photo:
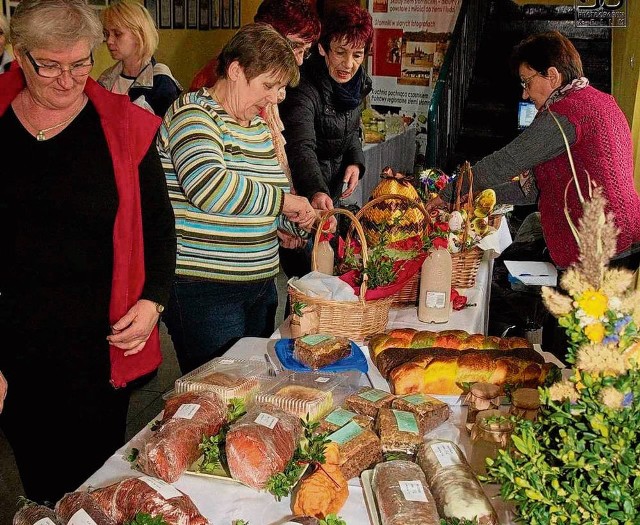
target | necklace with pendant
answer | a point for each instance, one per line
(40, 135)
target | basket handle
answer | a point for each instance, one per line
(468, 172)
(363, 243)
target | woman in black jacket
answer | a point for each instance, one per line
(321, 117)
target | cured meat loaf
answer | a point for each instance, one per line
(390, 358)
(81, 507)
(124, 499)
(35, 514)
(261, 443)
(454, 339)
(446, 374)
(402, 494)
(175, 446)
(455, 488)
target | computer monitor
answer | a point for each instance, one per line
(526, 113)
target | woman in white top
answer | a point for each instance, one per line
(132, 38)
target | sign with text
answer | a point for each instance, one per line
(601, 13)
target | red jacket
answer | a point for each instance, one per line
(604, 150)
(129, 131)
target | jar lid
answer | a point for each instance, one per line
(526, 398)
(485, 390)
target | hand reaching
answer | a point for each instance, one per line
(298, 209)
(351, 178)
(3, 391)
(131, 332)
(322, 201)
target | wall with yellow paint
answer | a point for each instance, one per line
(185, 51)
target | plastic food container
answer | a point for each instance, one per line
(228, 377)
(302, 394)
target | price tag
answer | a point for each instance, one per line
(322, 379)
(435, 299)
(163, 488)
(413, 490)
(226, 361)
(186, 411)
(44, 521)
(446, 453)
(81, 517)
(266, 420)
(340, 416)
(373, 395)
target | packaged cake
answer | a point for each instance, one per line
(398, 431)
(359, 449)
(318, 350)
(368, 401)
(228, 377)
(339, 417)
(429, 411)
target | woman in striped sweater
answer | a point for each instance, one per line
(230, 196)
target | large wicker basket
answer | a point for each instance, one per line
(408, 294)
(356, 320)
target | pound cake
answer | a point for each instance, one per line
(318, 350)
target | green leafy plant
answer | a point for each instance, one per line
(458, 521)
(579, 462)
(332, 519)
(297, 308)
(239, 522)
(310, 451)
(214, 460)
(142, 518)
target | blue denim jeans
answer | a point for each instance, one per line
(205, 319)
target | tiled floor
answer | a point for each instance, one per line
(145, 404)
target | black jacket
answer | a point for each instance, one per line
(321, 140)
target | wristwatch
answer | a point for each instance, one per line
(159, 308)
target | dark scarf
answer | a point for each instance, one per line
(348, 96)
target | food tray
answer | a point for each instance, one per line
(369, 498)
(234, 378)
(301, 394)
(354, 361)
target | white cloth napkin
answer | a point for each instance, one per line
(330, 287)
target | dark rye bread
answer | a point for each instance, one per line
(390, 358)
(319, 350)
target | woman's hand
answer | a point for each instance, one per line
(298, 209)
(290, 242)
(4, 386)
(131, 332)
(351, 178)
(322, 201)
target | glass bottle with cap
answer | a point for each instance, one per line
(491, 432)
(324, 254)
(481, 396)
(525, 403)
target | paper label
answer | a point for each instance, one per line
(446, 453)
(315, 339)
(340, 416)
(346, 433)
(406, 421)
(226, 361)
(186, 411)
(413, 490)
(45, 521)
(373, 395)
(416, 399)
(266, 420)
(163, 488)
(435, 299)
(81, 517)
(322, 379)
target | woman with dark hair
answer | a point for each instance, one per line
(322, 117)
(551, 76)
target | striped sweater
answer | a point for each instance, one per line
(227, 191)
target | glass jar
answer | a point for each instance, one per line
(490, 433)
(481, 396)
(525, 403)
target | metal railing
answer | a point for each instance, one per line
(444, 118)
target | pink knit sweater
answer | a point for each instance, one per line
(604, 150)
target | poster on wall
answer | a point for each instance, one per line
(165, 14)
(225, 13)
(192, 14)
(203, 20)
(152, 7)
(236, 14)
(215, 14)
(410, 40)
(178, 14)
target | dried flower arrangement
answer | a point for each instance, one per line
(579, 463)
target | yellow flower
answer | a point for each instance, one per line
(595, 332)
(593, 303)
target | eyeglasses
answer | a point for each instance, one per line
(526, 81)
(54, 71)
(300, 47)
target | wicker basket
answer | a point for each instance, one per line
(356, 320)
(466, 262)
(408, 295)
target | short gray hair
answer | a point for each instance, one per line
(52, 24)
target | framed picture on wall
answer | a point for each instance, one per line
(178, 14)
(152, 7)
(192, 14)
(204, 14)
(235, 17)
(165, 14)
(225, 13)
(214, 11)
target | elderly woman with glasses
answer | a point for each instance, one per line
(88, 250)
(551, 76)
